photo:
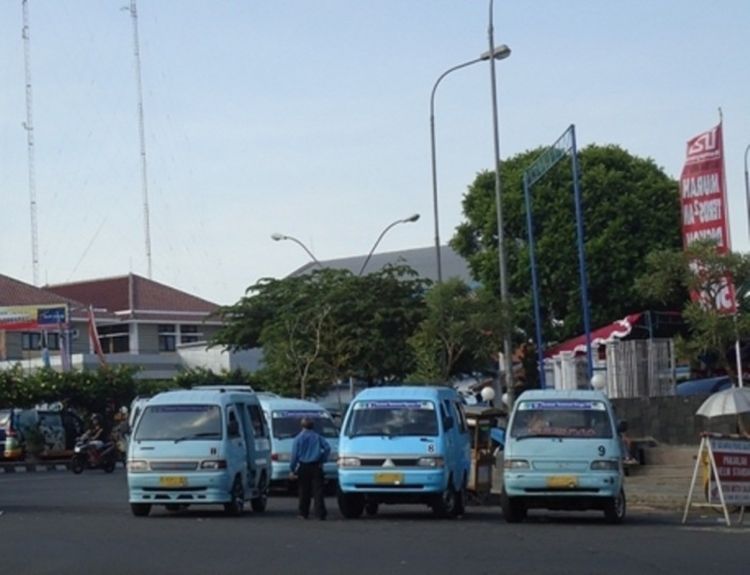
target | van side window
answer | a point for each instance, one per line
(232, 423)
(462, 426)
(257, 421)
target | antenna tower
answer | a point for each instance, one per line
(28, 125)
(141, 131)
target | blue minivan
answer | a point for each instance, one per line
(199, 447)
(404, 445)
(284, 416)
(563, 451)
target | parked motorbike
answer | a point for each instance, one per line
(87, 456)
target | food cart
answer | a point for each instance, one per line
(482, 420)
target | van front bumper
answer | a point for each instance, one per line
(530, 485)
(188, 488)
(280, 471)
(393, 481)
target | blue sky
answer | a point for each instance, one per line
(312, 119)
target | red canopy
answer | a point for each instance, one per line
(617, 330)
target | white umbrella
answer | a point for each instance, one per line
(732, 401)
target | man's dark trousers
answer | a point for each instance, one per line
(311, 485)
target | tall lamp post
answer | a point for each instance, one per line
(507, 345)
(410, 219)
(498, 53)
(747, 186)
(278, 237)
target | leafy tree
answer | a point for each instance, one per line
(701, 269)
(460, 334)
(319, 328)
(630, 206)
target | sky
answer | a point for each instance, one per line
(311, 119)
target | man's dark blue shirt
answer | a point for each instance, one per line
(308, 447)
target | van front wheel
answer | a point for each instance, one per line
(236, 504)
(351, 505)
(448, 503)
(614, 509)
(514, 511)
(140, 509)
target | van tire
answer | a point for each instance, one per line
(514, 510)
(447, 503)
(140, 509)
(371, 509)
(260, 503)
(351, 505)
(615, 508)
(236, 504)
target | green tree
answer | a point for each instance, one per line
(460, 334)
(319, 328)
(701, 269)
(630, 206)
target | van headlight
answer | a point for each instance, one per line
(430, 462)
(605, 465)
(137, 465)
(517, 464)
(349, 462)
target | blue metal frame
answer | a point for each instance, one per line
(546, 160)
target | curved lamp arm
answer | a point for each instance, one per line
(278, 237)
(410, 219)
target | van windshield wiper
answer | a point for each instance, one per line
(537, 436)
(197, 436)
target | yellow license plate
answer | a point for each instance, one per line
(173, 481)
(389, 478)
(562, 481)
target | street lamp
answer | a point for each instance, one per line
(410, 219)
(747, 186)
(499, 53)
(507, 345)
(278, 237)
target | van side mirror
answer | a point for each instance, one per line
(447, 423)
(233, 429)
(622, 426)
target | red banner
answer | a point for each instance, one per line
(704, 204)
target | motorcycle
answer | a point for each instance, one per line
(86, 455)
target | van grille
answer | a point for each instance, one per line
(174, 465)
(396, 461)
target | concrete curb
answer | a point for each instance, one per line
(29, 467)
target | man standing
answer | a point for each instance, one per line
(309, 452)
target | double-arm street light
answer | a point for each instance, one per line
(278, 237)
(410, 219)
(498, 53)
(504, 299)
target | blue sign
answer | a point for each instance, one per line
(51, 316)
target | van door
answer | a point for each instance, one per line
(261, 439)
(236, 443)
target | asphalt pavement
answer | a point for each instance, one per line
(56, 522)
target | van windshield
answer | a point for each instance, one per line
(561, 418)
(393, 418)
(287, 424)
(179, 423)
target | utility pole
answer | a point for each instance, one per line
(28, 125)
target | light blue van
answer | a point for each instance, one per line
(284, 417)
(562, 451)
(202, 447)
(404, 445)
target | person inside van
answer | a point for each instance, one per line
(309, 451)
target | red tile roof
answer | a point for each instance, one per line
(135, 295)
(15, 292)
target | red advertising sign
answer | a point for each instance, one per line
(704, 204)
(732, 458)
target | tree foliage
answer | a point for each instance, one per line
(461, 333)
(329, 325)
(630, 206)
(701, 269)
